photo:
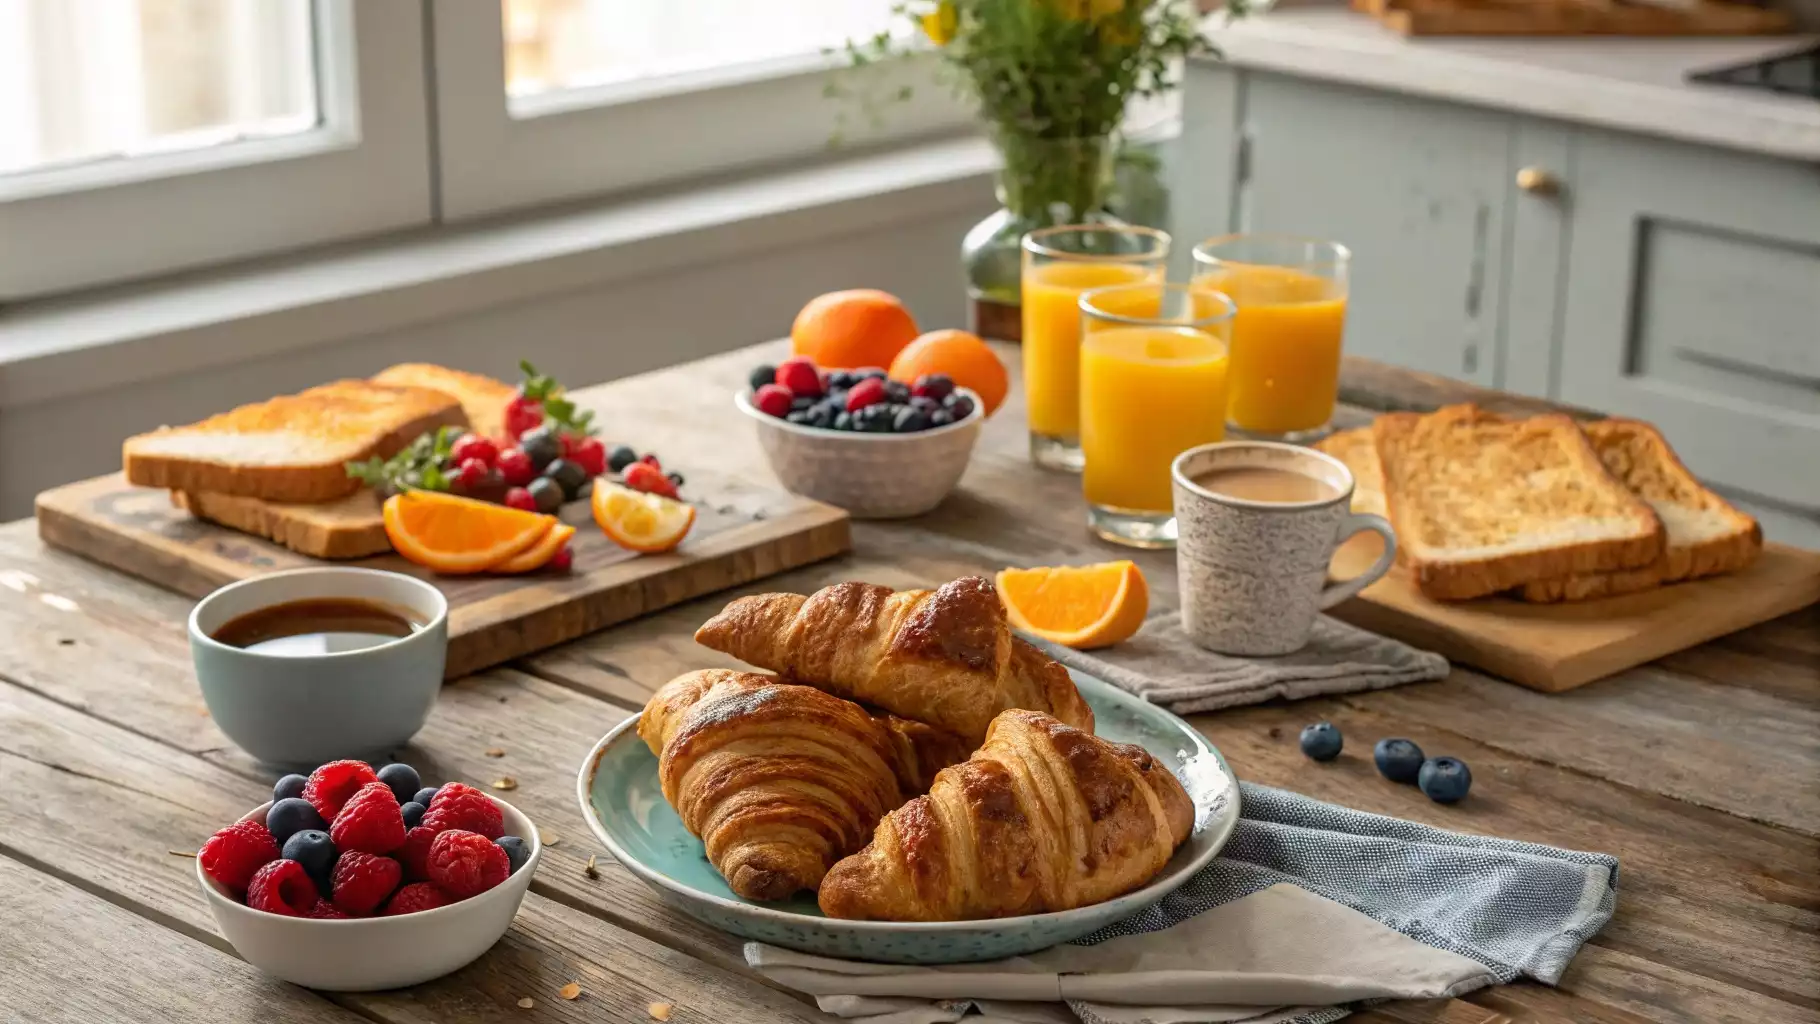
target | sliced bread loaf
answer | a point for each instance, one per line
(482, 398)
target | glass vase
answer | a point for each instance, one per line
(1044, 182)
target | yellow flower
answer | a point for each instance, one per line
(1095, 10)
(939, 24)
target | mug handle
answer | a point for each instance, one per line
(1356, 522)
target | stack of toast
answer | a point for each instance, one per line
(1543, 509)
(247, 467)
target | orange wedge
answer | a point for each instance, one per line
(459, 535)
(641, 521)
(1080, 606)
(534, 557)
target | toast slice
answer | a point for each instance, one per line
(1707, 535)
(291, 448)
(349, 527)
(1481, 504)
(482, 398)
(1360, 453)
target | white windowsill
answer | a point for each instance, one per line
(86, 343)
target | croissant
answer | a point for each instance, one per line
(781, 781)
(1044, 817)
(944, 656)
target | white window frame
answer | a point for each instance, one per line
(364, 169)
(572, 144)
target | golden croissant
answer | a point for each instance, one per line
(944, 656)
(1044, 817)
(781, 781)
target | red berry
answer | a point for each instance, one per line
(650, 459)
(331, 785)
(232, 855)
(283, 887)
(362, 882)
(471, 475)
(933, 385)
(642, 476)
(519, 498)
(324, 910)
(773, 400)
(370, 822)
(562, 560)
(415, 853)
(464, 864)
(515, 467)
(523, 413)
(473, 446)
(591, 455)
(798, 373)
(415, 897)
(464, 807)
(870, 391)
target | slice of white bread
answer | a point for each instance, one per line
(290, 448)
(482, 398)
(348, 527)
(1360, 453)
(1706, 534)
(1481, 504)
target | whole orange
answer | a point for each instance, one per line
(856, 328)
(966, 359)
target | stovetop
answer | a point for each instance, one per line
(1796, 74)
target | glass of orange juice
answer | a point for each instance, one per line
(1153, 381)
(1059, 264)
(1291, 293)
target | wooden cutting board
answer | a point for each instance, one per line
(1555, 647)
(741, 533)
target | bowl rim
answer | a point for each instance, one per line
(744, 404)
(1137, 899)
(218, 896)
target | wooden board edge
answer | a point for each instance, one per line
(1523, 668)
(194, 576)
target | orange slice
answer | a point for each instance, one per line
(641, 521)
(534, 557)
(1081, 606)
(457, 535)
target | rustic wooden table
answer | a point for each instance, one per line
(1700, 772)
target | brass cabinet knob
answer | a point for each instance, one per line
(1539, 182)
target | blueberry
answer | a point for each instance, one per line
(843, 420)
(401, 779)
(869, 373)
(935, 385)
(313, 849)
(289, 786)
(1445, 780)
(925, 403)
(800, 417)
(1398, 760)
(959, 406)
(941, 418)
(1322, 741)
(909, 420)
(676, 478)
(762, 374)
(291, 816)
(542, 445)
(802, 403)
(424, 795)
(877, 418)
(413, 813)
(547, 493)
(516, 850)
(841, 380)
(897, 392)
(620, 457)
(569, 476)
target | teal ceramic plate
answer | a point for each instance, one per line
(625, 806)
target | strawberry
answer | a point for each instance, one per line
(642, 476)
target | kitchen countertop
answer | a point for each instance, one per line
(1631, 84)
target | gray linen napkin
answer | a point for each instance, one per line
(1310, 908)
(1161, 665)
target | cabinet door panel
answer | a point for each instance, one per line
(1416, 189)
(1693, 301)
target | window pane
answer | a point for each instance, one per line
(86, 80)
(569, 44)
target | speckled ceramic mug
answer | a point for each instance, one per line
(1254, 573)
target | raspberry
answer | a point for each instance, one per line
(282, 887)
(464, 864)
(331, 785)
(370, 822)
(519, 498)
(232, 855)
(415, 897)
(562, 561)
(590, 454)
(773, 400)
(363, 881)
(799, 375)
(870, 391)
(466, 808)
(415, 853)
(324, 910)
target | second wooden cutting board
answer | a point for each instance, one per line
(1555, 647)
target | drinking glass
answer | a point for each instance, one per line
(1059, 264)
(1291, 294)
(1153, 377)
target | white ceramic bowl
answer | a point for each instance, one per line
(872, 476)
(369, 953)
